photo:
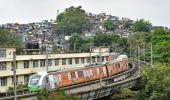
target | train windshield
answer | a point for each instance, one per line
(35, 80)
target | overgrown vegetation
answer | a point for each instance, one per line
(72, 20)
(55, 95)
(9, 39)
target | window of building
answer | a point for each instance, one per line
(2, 66)
(3, 81)
(56, 62)
(98, 58)
(107, 58)
(82, 60)
(35, 63)
(76, 60)
(88, 59)
(42, 63)
(64, 61)
(70, 61)
(102, 58)
(49, 62)
(2, 53)
(93, 59)
(80, 74)
(26, 79)
(26, 64)
(12, 65)
(16, 80)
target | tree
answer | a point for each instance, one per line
(109, 25)
(161, 39)
(8, 39)
(105, 39)
(142, 39)
(141, 26)
(56, 49)
(73, 20)
(55, 95)
(157, 82)
(75, 42)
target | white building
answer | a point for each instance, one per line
(30, 64)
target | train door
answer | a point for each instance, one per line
(73, 77)
(88, 74)
(109, 70)
(45, 82)
(51, 81)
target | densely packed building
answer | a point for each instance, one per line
(43, 33)
(39, 32)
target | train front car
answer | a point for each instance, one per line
(38, 81)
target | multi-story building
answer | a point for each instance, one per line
(27, 65)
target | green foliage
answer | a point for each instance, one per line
(76, 42)
(56, 49)
(161, 45)
(105, 40)
(73, 20)
(82, 44)
(109, 25)
(8, 39)
(141, 26)
(124, 94)
(139, 38)
(157, 82)
(55, 95)
(142, 39)
(18, 87)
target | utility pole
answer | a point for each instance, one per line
(109, 54)
(46, 60)
(90, 54)
(74, 47)
(139, 59)
(130, 50)
(14, 70)
(151, 55)
(100, 66)
(115, 54)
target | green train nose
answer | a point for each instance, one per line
(34, 88)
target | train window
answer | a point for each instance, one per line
(94, 71)
(100, 69)
(35, 79)
(80, 74)
(73, 75)
(64, 76)
(46, 79)
(118, 65)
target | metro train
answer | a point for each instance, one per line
(74, 76)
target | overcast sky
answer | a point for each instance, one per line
(25, 11)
